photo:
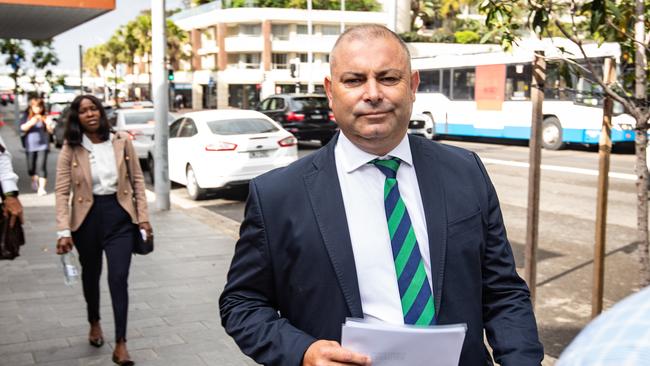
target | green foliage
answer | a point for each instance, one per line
(15, 52)
(467, 36)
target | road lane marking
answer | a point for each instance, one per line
(558, 168)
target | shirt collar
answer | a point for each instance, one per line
(88, 145)
(352, 157)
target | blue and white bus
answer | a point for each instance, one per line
(487, 94)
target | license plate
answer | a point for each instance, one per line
(258, 154)
(316, 116)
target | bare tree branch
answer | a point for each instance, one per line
(629, 106)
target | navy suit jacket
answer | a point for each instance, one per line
(293, 279)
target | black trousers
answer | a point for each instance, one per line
(37, 163)
(107, 228)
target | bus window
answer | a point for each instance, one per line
(429, 81)
(518, 77)
(446, 84)
(556, 85)
(463, 87)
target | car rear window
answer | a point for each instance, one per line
(241, 126)
(141, 118)
(309, 103)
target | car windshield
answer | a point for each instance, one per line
(310, 103)
(241, 126)
(141, 118)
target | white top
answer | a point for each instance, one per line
(103, 169)
(362, 186)
(8, 178)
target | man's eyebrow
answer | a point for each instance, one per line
(354, 74)
(388, 71)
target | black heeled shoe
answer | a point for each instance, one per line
(97, 342)
(123, 362)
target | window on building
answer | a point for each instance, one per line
(280, 31)
(232, 31)
(244, 96)
(208, 62)
(429, 81)
(303, 57)
(251, 60)
(518, 77)
(302, 29)
(279, 61)
(463, 84)
(252, 30)
(330, 30)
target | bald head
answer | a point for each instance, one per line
(368, 32)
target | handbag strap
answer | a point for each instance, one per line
(128, 172)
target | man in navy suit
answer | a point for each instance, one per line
(321, 241)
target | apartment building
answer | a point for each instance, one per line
(241, 55)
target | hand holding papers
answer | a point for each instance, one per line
(398, 345)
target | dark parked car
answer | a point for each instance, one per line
(306, 116)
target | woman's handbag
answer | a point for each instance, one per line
(11, 238)
(142, 244)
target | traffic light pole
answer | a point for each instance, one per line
(161, 104)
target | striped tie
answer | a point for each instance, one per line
(417, 302)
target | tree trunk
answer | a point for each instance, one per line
(641, 144)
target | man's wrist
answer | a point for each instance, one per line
(11, 194)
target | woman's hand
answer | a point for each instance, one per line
(63, 245)
(146, 226)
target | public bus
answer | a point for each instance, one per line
(487, 94)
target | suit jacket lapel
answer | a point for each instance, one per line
(433, 199)
(332, 222)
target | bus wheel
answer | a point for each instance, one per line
(552, 134)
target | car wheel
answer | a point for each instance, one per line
(552, 134)
(193, 190)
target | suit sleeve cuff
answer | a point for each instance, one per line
(9, 185)
(63, 234)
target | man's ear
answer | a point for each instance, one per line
(328, 89)
(415, 82)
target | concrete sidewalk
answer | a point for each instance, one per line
(173, 317)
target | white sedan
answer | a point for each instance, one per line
(140, 124)
(225, 148)
(422, 125)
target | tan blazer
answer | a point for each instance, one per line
(73, 176)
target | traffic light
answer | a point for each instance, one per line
(170, 74)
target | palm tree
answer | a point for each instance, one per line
(176, 38)
(96, 60)
(15, 52)
(127, 37)
(115, 53)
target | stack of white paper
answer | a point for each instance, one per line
(399, 345)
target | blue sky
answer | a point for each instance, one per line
(99, 30)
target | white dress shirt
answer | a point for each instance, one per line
(8, 178)
(103, 169)
(362, 186)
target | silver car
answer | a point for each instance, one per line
(139, 124)
(422, 125)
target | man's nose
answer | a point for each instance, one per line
(373, 93)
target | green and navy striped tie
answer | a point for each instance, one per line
(417, 301)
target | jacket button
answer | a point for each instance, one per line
(74, 164)
(126, 157)
(80, 199)
(126, 192)
(78, 183)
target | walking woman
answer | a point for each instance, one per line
(100, 169)
(36, 129)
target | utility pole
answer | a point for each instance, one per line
(81, 70)
(160, 91)
(534, 173)
(310, 53)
